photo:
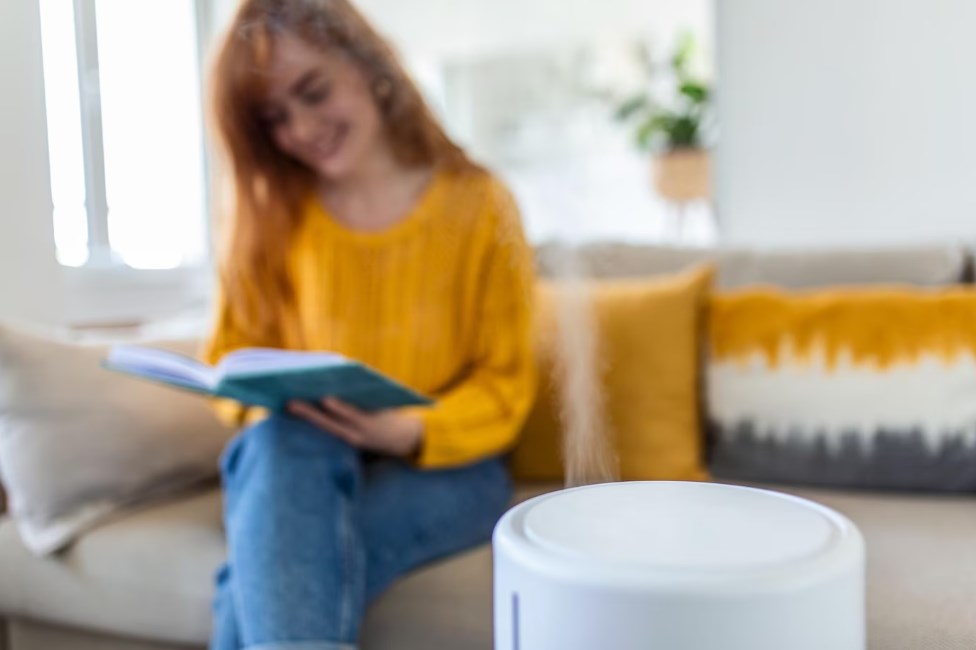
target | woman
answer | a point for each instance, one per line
(358, 227)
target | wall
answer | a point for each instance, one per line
(30, 278)
(450, 27)
(847, 121)
(438, 28)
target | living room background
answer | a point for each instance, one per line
(819, 342)
(867, 140)
(519, 84)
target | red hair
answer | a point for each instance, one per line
(265, 189)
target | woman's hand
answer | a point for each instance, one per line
(386, 432)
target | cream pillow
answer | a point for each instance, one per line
(78, 443)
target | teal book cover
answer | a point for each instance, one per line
(267, 377)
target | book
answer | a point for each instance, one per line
(267, 377)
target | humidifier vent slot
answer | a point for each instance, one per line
(515, 621)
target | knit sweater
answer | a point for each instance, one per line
(440, 301)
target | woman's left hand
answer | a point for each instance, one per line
(385, 432)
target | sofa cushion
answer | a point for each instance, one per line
(149, 576)
(801, 268)
(33, 635)
(921, 566)
(853, 387)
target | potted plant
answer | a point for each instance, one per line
(675, 130)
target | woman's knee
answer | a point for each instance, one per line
(496, 485)
(282, 434)
(265, 437)
(279, 442)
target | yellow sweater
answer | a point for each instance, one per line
(440, 301)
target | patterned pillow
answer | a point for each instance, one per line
(872, 388)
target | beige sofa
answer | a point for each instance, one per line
(143, 581)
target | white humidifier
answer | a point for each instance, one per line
(677, 566)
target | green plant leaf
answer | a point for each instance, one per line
(683, 132)
(695, 91)
(684, 123)
(683, 53)
(631, 107)
(657, 125)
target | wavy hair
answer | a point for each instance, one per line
(262, 193)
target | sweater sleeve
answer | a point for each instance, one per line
(482, 414)
(227, 335)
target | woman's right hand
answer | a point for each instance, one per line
(389, 432)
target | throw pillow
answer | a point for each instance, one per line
(78, 443)
(871, 388)
(648, 333)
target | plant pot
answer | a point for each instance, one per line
(682, 175)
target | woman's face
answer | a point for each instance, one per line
(320, 110)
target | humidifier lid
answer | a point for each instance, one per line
(677, 525)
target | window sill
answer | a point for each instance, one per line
(122, 296)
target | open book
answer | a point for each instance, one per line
(268, 377)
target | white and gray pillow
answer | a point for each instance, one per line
(856, 388)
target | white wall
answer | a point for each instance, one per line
(847, 121)
(471, 27)
(439, 28)
(30, 278)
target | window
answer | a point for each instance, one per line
(125, 134)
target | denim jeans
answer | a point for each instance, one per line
(316, 531)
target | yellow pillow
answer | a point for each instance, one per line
(649, 355)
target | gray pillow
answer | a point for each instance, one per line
(78, 442)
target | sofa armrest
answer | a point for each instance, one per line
(4, 634)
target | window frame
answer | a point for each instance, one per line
(104, 290)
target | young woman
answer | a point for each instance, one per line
(356, 226)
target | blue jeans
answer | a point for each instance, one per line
(315, 532)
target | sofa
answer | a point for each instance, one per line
(143, 580)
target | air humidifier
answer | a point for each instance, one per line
(677, 566)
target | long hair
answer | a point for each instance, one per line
(262, 195)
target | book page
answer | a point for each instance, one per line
(264, 360)
(161, 364)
